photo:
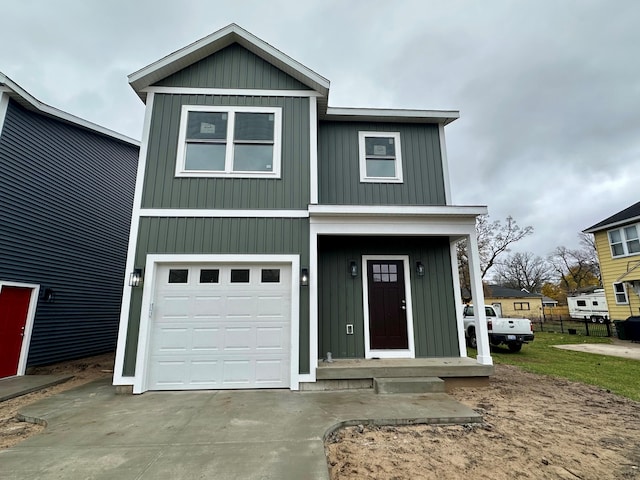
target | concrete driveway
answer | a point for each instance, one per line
(93, 433)
(618, 349)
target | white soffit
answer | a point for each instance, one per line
(391, 115)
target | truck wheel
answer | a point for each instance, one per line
(472, 341)
(515, 347)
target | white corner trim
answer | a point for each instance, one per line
(140, 384)
(118, 377)
(402, 353)
(445, 165)
(313, 150)
(221, 213)
(28, 326)
(245, 92)
(4, 106)
(313, 303)
(462, 344)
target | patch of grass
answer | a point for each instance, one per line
(618, 375)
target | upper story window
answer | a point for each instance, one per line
(229, 142)
(380, 157)
(624, 241)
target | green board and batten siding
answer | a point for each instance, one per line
(341, 300)
(164, 235)
(233, 67)
(163, 190)
(339, 171)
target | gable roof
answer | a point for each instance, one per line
(215, 42)
(200, 49)
(628, 215)
(28, 101)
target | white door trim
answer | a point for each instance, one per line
(403, 353)
(140, 381)
(28, 326)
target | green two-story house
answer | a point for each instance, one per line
(271, 232)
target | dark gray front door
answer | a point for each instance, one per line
(387, 305)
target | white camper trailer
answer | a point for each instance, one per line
(589, 306)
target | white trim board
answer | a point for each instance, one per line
(245, 92)
(118, 377)
(4, 106)
(221, 213)
(28, 326)
(403, 353)
(139, 381)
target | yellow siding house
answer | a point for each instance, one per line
(618, 243)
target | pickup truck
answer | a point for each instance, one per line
(513, 332)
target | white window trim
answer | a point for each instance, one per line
(615, 293)
(228, 171)
(623, 239)
(388, 353)
(363, 157)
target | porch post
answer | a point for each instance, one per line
(462, 346)
(482, 337)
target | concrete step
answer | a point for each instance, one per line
(409, 385)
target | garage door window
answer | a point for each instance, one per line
(270, 275)
(178, 275)
(209, 275)
(240, 276)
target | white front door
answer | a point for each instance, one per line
(220, 326)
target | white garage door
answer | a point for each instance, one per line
(220, 326)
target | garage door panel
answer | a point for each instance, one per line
(220, 335)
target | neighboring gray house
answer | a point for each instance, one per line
(270, 229)
(66, 193)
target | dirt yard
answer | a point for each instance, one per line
(534, 427)
(85, 370)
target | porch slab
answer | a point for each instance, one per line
(453, 368)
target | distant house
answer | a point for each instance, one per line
(270, 229)
(618, 244)
(66, 193)
(514, 303)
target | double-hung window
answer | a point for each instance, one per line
(229, 142)
(620, 292)
(624, 241)
(380, 157)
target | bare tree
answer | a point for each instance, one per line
(576, 269)
(523, 270)
(494, 239)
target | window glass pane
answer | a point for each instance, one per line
(254, 126)
(376, 268)
(633, 246)
(614, 236)
(207, 125)
(240, 276)
(393, 277)
(270, 275)
(630, 232)
(205, 156)
(385, 268)
(379, 147)
(617, 249)
(209, 275)
(253, 158)
(381, 168)
(178, 275)
(385, 277)
(377, 277)
(582, 303)
(393, 269)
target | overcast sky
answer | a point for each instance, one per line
(548, 90)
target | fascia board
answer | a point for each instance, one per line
(28, 101)
(397, 210)
(395, 115)
(210, 44)
(608, 226)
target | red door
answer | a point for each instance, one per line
(14, 306)
(387, 305)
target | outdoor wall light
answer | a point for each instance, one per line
(49, 295)
(353, 268)
(419, 269)
(135, 278)
(304, 277)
